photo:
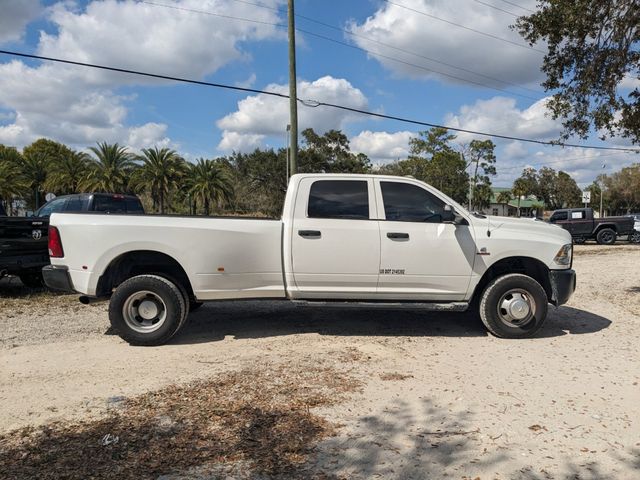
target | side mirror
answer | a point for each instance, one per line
(449, 215)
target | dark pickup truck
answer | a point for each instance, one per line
(23, 240)
(23, 247)
(582, 225)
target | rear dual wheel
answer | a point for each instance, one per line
(148, 310)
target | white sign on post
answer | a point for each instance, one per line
(586, 197)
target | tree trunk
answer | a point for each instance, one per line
(161, 202)
(206, 206)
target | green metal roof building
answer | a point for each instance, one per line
(528, 204)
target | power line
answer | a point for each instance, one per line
(348, 45)
(497, 8)
(544, 163)
(518, 6)
(479, 32)
(431, 59)
(313, 103)
(421, 67)
(403, 50)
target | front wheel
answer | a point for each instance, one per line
(513, 306)
(147, 310)
(634, 237)
(606, 236)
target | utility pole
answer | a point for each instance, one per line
(293, 94)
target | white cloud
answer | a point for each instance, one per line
(240, 142)
(148, 135)
(15, 17)
(80, 106)
(515, 150)
(502, 116)
(408, 30)
(268, 115)
(382, 147)
(153, 38)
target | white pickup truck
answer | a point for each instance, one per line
(373, 239)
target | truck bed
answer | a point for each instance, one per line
(226, 257)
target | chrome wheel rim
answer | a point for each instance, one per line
(144, 312)
(516, 308)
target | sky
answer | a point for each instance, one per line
(450, 62)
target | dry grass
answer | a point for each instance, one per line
(394, 376)
(259, 417)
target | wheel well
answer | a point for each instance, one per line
(526, 265)
(612, 226)
(141, 262)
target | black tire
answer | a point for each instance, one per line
(32, 279)
(149, 291)
(634, 237)
(506, 290)
(193, 305)
(606, 236)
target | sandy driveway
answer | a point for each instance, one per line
(440, 397)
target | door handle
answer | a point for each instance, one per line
(397, 235)
(309, 233)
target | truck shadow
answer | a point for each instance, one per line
(263, 319)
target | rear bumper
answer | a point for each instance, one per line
(17, 263)
(57, 277)
(563, 284)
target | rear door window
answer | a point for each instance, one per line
(343, 199)
(55, 205)
(559, 216)
(134, 205)
(74, 204)
(109, 204)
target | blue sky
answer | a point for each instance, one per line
(482, 83)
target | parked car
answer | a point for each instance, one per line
(635, 236)
(381, 240)
(23, 240)
(91, 202)
(582, 225)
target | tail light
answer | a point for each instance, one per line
(55, 243)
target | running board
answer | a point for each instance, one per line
(424, 306)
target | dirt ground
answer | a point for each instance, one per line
(438, 397)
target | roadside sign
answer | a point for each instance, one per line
(586, 196)
(49, 196)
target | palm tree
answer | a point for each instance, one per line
(110, 170)
(160, 172)
(12, 183)
(34, 167)
(519, 189)
(68, 172)
(504, 198)
(208, 183)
